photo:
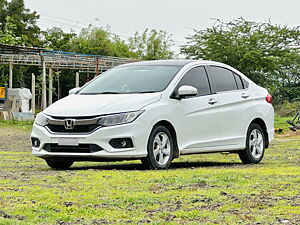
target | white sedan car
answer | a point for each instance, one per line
(156, 111)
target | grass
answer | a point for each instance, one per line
(23, 125)
(206, 189)
(280, 122)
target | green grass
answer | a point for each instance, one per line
(280, 122)
(206, 189)
(23, 125)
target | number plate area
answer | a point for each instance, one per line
(69, 141)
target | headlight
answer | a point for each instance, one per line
(41, 119)
(120, 118)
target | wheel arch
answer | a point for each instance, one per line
(172, 130)
(263, 126)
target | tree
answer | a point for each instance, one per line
(264, 52)
(7, 35)
(56, 39)
(151, 45)
(99, 41)
(24, 21)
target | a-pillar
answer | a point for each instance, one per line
(50, 86)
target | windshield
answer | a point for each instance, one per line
(132, 79)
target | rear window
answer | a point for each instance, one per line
(245, 83)
(239, 81)
(223, 79)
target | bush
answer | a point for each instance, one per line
(287, 108)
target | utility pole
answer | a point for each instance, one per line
(10, 74)
(33, 93)
(50, 86)
(77, 79)
(97, 66)
(44, 87)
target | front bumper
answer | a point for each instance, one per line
(137, 131)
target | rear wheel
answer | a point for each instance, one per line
(255, 145)
(59, 164)
(160, 149)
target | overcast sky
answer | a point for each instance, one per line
(178, 17)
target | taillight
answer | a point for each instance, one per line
(269, 98)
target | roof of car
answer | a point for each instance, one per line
(178, 62)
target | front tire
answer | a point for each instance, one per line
(160, 149)
(59, 164)
(255, 145)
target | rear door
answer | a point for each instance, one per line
(234, 102)
(199, 115)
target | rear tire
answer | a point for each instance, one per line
(59, 164)
(255, 145)
(160, 149)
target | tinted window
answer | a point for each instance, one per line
(132, 79)
(246, 83)
(223, 79)
(239, 82)
(197, 78)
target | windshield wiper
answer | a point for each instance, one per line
(100, 93)
(113, 92)
(145, 92)
(108, 92)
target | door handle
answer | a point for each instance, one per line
(212, 101)
(245, 95)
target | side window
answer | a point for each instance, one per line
(197, 78)
(223, 78)
(246, 83)
(238, 80)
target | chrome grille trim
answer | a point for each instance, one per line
(76, 121)
(81, 126)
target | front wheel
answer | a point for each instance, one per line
(255, 145)
(59, 164)
(160, 149)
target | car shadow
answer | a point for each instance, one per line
(173, 166)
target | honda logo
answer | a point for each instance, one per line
(69, 124)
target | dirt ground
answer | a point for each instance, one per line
(16, 140)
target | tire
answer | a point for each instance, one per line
(59, 164)
(255, 145)
(160, 149)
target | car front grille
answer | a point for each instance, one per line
(81, 148)
(78, 124)
(77, 128)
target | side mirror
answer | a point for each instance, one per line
(74, 90)
(186, 91)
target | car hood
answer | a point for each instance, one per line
(92, 105)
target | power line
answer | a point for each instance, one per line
(60, 18)
(61, 23)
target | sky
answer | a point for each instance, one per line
(177, 17)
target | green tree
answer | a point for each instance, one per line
(23, 20)
(264, 52)
(56, 39)
(7, 35)
(152, 44)
(99, 41)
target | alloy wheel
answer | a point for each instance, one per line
(256, 143)
(161, 148)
